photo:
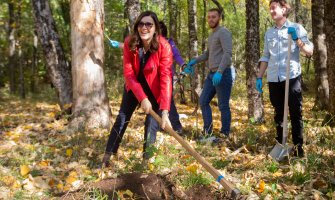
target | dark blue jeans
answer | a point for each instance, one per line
(128, 106)
(223, 91)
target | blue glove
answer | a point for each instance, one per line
(188, 70)
(293, 32)
(259, 85)
(217, 78)
(191, 63)
(114, 43)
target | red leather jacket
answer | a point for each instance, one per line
(157, 72)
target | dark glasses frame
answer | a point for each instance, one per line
(148, 25)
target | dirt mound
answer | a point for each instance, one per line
(146, 186)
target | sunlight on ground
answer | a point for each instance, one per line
(37, 158)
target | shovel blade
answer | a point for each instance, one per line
(279, 152)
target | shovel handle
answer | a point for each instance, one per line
(287, 83)
(233, 191)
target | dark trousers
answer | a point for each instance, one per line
(174, 117)
(128, 106)
(277, 96)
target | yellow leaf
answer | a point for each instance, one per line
(68, 152)
(66, 106)
(70, 179)
(129, 193)
(51, 114)
(151, 166)
(27, 127)
(8, 180)
(277, 174)
(60, 186)
(192, 168)
(24, 170)
(44, 163)
(261, 186)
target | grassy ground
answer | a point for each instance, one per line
(37, 160)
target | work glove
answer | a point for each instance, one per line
(165, 119)
(259, 85)
(146, 105)
(189, 67)
(293, 32)
(114, 43)
(217, 78)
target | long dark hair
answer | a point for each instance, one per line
(135, 39)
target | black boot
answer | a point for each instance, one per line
(299, 151)
(106, 160)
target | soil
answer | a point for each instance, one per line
(147, 187)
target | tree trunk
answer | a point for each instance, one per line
(11, 38)
(255, 103)
(330, 41)
(220, 8)
(204, 40)
(133, 11)
(172, 22)
(58, 68)
(298, 12)
(193, 47)
(34, 65)
(18, 43)
(320, 56)
(90, 101)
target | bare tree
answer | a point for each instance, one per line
(133, 10)
(12, 41)
(90, 101)
(220, 7)
(172, 6)
(329, 26)
(320, 55)
(58, 68)
(252, 54)
(34, 64)
(193, 46)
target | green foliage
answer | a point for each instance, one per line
(272, 166)
(220, 164)
(192, 179)
(97, 194)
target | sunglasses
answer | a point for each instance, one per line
(146, 24)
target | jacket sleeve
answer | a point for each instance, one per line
(176, 54)
(130, 74)
(165, 76)
(227, 46)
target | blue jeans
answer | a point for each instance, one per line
(223, 91)
(128, 106)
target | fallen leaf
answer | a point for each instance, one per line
(261, 186)
(192, 168)
(24, 170)
(43, 163)
(69, 152)
(129, 193)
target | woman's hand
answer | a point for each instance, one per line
(165, 119)
(146, 105)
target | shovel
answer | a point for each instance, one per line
(280, 151)
(233, 191)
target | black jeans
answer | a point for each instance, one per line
(174, 116)
(277, 96)
(128, 106)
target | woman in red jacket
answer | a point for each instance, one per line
(147, 72)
